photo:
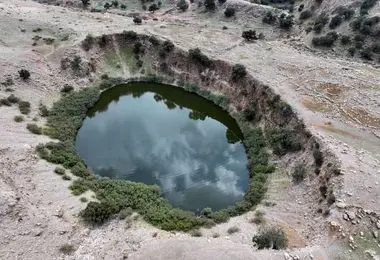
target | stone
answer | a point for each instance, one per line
(375, 233)
(378, 224)
(351, 215)
(345, 217)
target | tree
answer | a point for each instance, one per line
(210, 5)
(249, 35)
(153, 7)
(183, 5)
(230, 11)
(85, 2)
(286, 21)
(24, 74)
(238, 71)
(137, 20)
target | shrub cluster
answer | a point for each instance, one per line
(328, 40)
(270, 237)
(320, 22)
(197, 56)
(283, 141)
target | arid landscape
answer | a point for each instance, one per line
(336, 95)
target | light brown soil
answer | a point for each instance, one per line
(38, 214)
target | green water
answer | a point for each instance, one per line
(160, 134)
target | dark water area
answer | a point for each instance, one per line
(164, 135)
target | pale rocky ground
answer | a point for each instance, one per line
(38, 214)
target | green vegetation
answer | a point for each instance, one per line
(197, 56)
(182, 5)
(18, 119)
(66, 249)
(269, 18)
(299, 173)
(259, 217)
(286, 21)
(83, 199)
(270, 237)
(305, 15)
(35, 129)
(283, 141)
(67, 88)
(24, 107)
(328, 40)
(116, 196)
(249, 35)
(44, 111)
(232, 230)
(59, 170)
(238, 71)
(13, 99)
(320, 22)
(24, 74)
(229, 12)
(196, 233)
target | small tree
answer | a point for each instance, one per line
(153, 7)
(286, 21)
(249, 35)
(115, 3)
(270, 237)
(182, 5)
(238, 71)
(85, 3)
(137, 20)
(24, 74)
(210, 5)
(269, 18)
(230, 11)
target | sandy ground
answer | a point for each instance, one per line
(338, 99)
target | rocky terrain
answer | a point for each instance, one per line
(338, 97)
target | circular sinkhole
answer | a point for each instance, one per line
(164, 135)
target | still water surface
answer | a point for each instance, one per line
(159, 134)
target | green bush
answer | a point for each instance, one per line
(345, 39)
(44, 112)
(66, 249)
(368, 4)
(13, 99)
(318, 157)
(59, 170)
(137, 20)
(366, 53)
(250, 35)
(299, 173)
(88, 42)
(269, 18)
(270, 237)
(24, 74)
(306, 14)
(220, 216)
(320, 22)
(35, 129)
(238, 71)
(67, 88)
(232, 230)
(5, 102)
(286, 21)
(66, 177)
(229, 12)
(327, 41)
(196, 233)
(259, 217)
(197, 56)
(24, 107)
(283, 141)
(18, 119)
(210, 5)
(335, 21)
(182, 5)
(83, 199)
(75, 63)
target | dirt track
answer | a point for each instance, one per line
(338, 99)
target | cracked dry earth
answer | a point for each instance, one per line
(338, 99)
